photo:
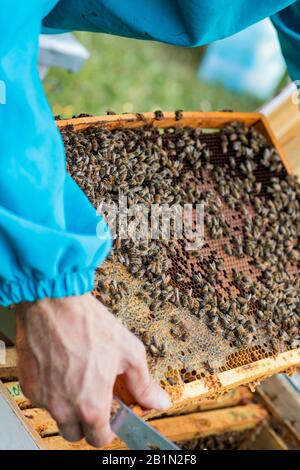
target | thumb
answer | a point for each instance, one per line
(143, 389)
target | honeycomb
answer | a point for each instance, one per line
(228, 441)
(192, 347)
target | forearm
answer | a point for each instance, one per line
(45, 250)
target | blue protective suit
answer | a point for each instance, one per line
(48, 241)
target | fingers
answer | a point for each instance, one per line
(67, 422)
(98, 435)
(148, 394)
(71, 431)
(90, 420)
(140, 384)
(94, 415)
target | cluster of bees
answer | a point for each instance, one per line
(227, 441)
(245, 176)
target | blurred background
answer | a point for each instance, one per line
(126, 75)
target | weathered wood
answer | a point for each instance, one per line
(58, 443)
(40, 420)
(186, 427)
(15, 391)
(239, 396)
(285, 399)
(268, 439)
(9, 370)
(178, 428)
(284, 117)
(283, 402)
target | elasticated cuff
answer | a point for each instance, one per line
(65, 285)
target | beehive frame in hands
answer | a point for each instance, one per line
(213, 366)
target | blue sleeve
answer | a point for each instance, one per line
(51, 239)
(287, 23)
(181, 22)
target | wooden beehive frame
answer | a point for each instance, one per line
(232, 412)
(199, 390)
(260, 369)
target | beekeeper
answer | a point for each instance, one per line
(71, 349)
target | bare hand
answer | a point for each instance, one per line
(71, 351)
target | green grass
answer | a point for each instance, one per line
(127, 75)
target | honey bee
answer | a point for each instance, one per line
(232, 163)
(140, 117)
(171, 381)
(197, 278)
(154, 350)
(228, 249)
(178, 115)
(159, 115)
(208, 367)
(224, 145)
(201, 313)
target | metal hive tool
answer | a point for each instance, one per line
(196, 355)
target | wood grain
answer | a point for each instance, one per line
(238, 396)
(285, 399)
(186, 427)
(203, 389)
(211, 120)
(268, 439)
(283, 113)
